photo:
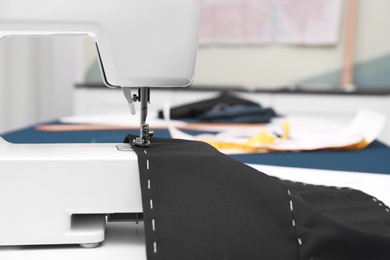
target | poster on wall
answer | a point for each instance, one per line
(298, 22)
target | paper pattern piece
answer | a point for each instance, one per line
(304, 135)
(306, 22)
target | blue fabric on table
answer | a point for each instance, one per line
(30, 135)
(375, 158)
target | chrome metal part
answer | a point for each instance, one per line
(124, 147)
(145, 133)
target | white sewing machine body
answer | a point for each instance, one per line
(139, 42)
(62, 193)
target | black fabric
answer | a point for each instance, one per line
(201, 204)
(226, 108)
(340, 223)
(236, 114)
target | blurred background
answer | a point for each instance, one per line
(248, 44)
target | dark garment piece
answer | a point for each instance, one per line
(201, 204)
(340, 224)
(236, 114)
(225, 108)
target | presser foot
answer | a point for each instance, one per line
(144, 139)
(144, 97)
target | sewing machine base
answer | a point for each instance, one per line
(63, 193)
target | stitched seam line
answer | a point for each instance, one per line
(293, 222)
(151, 203)
(381, 205)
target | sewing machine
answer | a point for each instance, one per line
(64, 193)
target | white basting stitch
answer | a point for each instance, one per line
(145, 152)
(153, 225)
(151, 206)
(293, 220)
(155, 247)
(380, 204)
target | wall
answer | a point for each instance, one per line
(17, 99)
(271, 65)
(37, 76)
(264, 65)
(2, 90)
